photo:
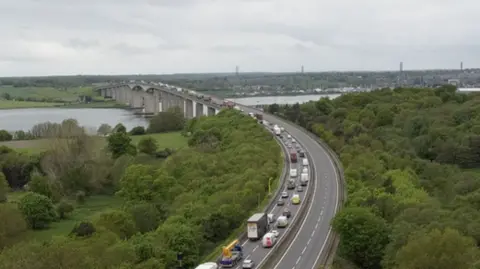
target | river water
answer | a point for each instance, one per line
(25, 119)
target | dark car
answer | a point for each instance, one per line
(280, 202)
(287, 213)
(301, 154)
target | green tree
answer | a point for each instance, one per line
(138, 183)
(4, 188)
(120, 128)
(146, 217)
(118, 222)
(119, 143)
(439, 249)
(38, 210)
(43, 185)
(168, 121)
(5, 135)
(104, 129)
(63, 209)
(12, 225)
(139, 130)
(364, 236)
(148, 145)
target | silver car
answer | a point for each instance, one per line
(248, 264)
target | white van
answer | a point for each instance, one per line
(282, 222)
(270, 218)
(305, 162)
(207, 265)
(303, 179)
(293, 172)
(269, 240)
(305, 170)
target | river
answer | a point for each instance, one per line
(25, 119)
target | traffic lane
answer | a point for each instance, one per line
(306, 246)
(310, 241)
(253, 249)
(318, 221)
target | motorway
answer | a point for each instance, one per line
(254, 250)
(309, 244)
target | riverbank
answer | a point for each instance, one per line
(11, 104)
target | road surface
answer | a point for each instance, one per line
(310, 241)
(253, 250)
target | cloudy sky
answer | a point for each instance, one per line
(47, 37)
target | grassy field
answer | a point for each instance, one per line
(92, 206)
(66, 94)
(172, 140)
(5, 104)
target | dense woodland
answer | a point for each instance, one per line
(188, 204)
(411, 159)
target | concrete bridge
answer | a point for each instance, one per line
(152, 99)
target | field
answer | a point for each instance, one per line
(172, 140)
(66, 94)
(6, 104)
(92, 206)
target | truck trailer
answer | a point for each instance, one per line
(277, 130)
(293, 156)
(257, 226)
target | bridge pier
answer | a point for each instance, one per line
(137, 99)
(150, 102)
(199, 110)
(189, 111)
(210, 111)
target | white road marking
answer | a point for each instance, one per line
(303, 251)
(298, 260)
(254, 248)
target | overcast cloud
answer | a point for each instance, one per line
(47, 37)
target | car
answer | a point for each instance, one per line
(301, 154)
(284, 194)
(289, 146)
(296, 199)
(280, 202)
(248, 264)
(289, 136)
(294, 141)
(287, 213)
(275, 233)
(300, 188)
(299, 150)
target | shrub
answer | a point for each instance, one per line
(42, 185)
(148, 145)
(139, 130)
(146, 217)
(118, 222)
(80, 197)
(4, 188)
(64, 208)
(83, 229)
(37, 209)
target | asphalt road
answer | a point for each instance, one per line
(310, 241)
(254, 250)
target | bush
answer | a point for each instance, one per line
(42, 185)
(148, 145)
(118, 222)
(83, 229)
(146, 217)
(12, 224)
(4, 188)
(80, 197)
(37, 209)
(139, 130)
(64, 208)
(169, 121)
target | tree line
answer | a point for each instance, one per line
(410, 158)
(188, 204)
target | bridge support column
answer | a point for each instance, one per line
(137, 101)
(205, 110)
(210, 111)
(199, 110)
(189, 109)
(150, 102)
